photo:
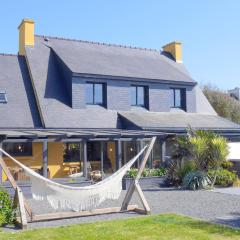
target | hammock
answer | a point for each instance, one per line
(62, 196)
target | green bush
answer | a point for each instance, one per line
(196, 180)
(225, 105)
(132, 173)
(158, 172)
(7, 213)
(177, 170)
(224, 177)
(227, 165)
(147, 172)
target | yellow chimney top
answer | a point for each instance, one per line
(175, 49)
(26, 35)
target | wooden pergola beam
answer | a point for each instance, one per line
(45, 159)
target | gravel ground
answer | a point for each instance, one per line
(206, 205)
(210, 206)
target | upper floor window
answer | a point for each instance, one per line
(137, 96)
(18, 149)
(94, 93)
(177, 98)
(3, 97)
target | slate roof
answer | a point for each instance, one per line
(175, 121)
(83, 57)
(54, 103)
(114, 60)
(20, 109)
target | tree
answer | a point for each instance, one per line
(225, 105)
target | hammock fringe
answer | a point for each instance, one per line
(61, 196)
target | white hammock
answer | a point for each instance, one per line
(76, 198)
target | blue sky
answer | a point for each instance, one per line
(208, 29)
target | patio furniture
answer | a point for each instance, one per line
(96, 176)
(74, 169)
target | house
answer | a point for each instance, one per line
(66, 105)
(235, 93)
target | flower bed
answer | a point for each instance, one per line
(151, 178)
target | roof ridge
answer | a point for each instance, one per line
(9, 54)
(98, 43)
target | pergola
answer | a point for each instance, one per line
(80, 135)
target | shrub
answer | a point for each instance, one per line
(177, 171)
(227, 165)
(147, 172)
(7, 213)
(158, 172)
(225, 105)
(132, 172)
(224, 177)
(196, 180)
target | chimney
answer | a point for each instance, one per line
(26, 35)
(175, 49)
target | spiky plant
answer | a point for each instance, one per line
(196, 180)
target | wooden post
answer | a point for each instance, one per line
(118, 154)
(125, 151)
(22, 212)
(134, 183)
(1, 146)
(163, 150)
(102, 155)
(14, 184)
(85, 159)
(144, 161)
(45, 159)
(140, 146)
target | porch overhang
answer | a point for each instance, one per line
(65, 135)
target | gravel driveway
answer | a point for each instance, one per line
(206, 205)
(220, 206)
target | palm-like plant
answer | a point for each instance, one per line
(219, 152)
(199, 151)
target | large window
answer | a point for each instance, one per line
(94, 93)
(72, 152)
(177, 98)
(94, 151)
(138, 95)
(18, 149)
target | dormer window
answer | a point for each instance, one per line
(94, 93)
(138, 96)
(177, 98)
(3, 97)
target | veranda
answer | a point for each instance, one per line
(60, 153)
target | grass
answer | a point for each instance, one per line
(166, 226)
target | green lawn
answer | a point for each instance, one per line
(167, 226)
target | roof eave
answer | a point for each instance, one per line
(98, 76)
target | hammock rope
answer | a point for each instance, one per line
(62, 196)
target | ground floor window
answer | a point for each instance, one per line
(156, 158)
(94, 155)
(129, 150)
(18, 149)
(94, 151)
(72, 152)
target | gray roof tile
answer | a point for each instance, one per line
(20, 111)
(51, 93)
(114, 60)
(172, 121)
